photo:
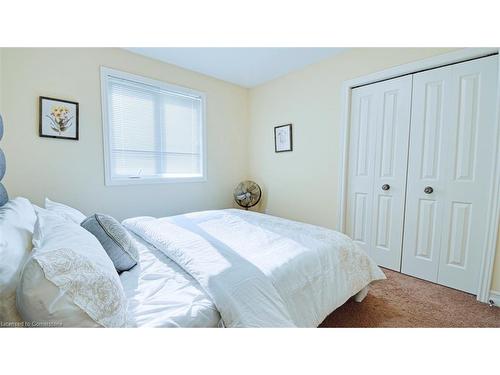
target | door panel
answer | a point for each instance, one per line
(380, 120)
(460, 228)
(453, 111)
(360, 179)
(432, 124)
(391, 151)
(424, 212)
(359, 224)
(468, 117)
(425, 235)
(468, 165)
(363, 128)
(383, 223)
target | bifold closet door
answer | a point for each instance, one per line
(451, 156)
(378, 149)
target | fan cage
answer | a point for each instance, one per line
(251, 190)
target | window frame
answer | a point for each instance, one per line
(111, 180)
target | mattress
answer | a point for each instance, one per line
(161, 294)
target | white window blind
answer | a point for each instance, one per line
(154, 130)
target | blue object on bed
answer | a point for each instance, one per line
(1, 127)
(2, 164)
(3, 193)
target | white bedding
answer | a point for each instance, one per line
(161, 294)
(312, 270)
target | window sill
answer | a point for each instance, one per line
(152, 180)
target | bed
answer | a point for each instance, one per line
(219, 268)
(233, 268)
(313, 269)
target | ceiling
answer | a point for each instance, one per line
(247, 67)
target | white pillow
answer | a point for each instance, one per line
(69, 280)
(17, 219)
(69, 213)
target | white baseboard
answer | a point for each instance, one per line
(495, 297)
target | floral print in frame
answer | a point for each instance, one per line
(58, 118)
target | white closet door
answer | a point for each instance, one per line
(364, 103)
(452, 143)
(378, 162)
(469, 157)
(389, 181)
(424, 212)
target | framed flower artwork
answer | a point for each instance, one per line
(58, 118)
(283, 138)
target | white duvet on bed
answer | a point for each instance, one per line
(161, 294)
(311, 270)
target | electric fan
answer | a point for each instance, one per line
(247, 194)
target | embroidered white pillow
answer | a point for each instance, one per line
(69, 213)
(17, 220)
(69, 280)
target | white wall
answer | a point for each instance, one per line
(73, 171)
(303, 184)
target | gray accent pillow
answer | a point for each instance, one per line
(115, 239)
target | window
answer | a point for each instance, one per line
(153, 131)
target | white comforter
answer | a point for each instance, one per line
(259, 270)
(161, 294)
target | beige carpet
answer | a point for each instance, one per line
(405, 301)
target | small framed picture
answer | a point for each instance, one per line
(58, 118)
(283, 138)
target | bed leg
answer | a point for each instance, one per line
(360, 296)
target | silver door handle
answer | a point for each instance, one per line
(386, 187)
(428, 190)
